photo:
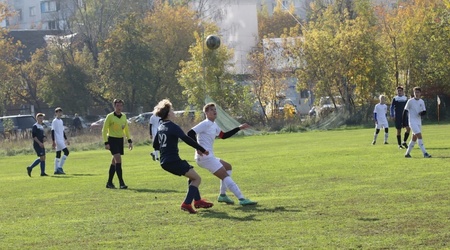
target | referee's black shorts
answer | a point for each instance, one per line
(115, 145)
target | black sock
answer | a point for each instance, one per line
(399, 139)
(112, 170)
(406, 136)
(119, 173)
(192, 190)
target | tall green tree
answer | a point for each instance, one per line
(125, 66)
(206, 74)
(9, 54)
(170, 33)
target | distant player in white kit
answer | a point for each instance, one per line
(205, 133)
(416, 109)
(153, 126)
(59, 141)
(379, 116)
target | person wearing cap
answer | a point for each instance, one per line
(59, 139)
(39, 138)
(113, 131)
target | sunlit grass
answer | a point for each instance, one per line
(316, 190)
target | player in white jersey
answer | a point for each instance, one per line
(153, 126)
(415, 108)
(205, 133)
(379, 115)
(59, 141)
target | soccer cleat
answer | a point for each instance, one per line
(386, 142)
(44, 174)
(202, 204)
(405, 145)
(110, 185)
(123, 186)
(188, 208)
(426, 155)
(373, 143)
(225, 198)
(400, 146)
(407, 156)
(29, 171)
(153, 156)
(59, 171)
(246, 202)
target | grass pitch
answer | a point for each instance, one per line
(316, 190)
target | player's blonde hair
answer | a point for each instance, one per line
(163, 108)
(207, 106)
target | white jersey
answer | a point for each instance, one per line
(381, 111)
(58, 128)
(414, 108)
(155, 121)
(206, 131)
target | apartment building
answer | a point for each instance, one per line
(39, 14)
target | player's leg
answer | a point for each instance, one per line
(386, 133)
(63, 158)
(375, 135)
(112, 171)
(57, 162)
(228, 168)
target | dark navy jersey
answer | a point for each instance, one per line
(398, 105)
(167, 142)
(38, 131)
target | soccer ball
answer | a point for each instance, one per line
(212, 42)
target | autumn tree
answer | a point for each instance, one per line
(340, 56)
(206, 74)
(125, 64)
(170, 33)
(282, 19)
(8, 61)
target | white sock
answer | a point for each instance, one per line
(421, 146)
(63, 160)
(375, 137)
(410, 147)
(56, 164)
(223, 187)
(233, 187)
(386, 137)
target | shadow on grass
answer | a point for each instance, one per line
(259, 209)
(146, 190)
(85, 174)
(368, 219)
(224, 215)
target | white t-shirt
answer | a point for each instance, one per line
(58, 128)
(381, 111)
(155, 121)
(414, 107)
(206, 131)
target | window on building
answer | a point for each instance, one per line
(52, 25)
(19, 15)
(49, 6)
(33, 11)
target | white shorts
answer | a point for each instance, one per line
(60, 145)
(211, 163)
(380, 125)
(416, 128)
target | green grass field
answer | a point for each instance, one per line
(316, 190)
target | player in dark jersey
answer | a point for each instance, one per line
(167, 143)
(38, 144)
(397, 107)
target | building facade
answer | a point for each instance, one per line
(39, 14)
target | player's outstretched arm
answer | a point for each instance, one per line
(225, 135)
